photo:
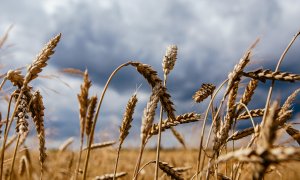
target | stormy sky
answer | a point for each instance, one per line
(100, 35)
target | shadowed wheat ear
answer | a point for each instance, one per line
(294, 133)
(83, 99)
(127, 118)
(253, 113)
(41, 60)
(246, 98)
(147, 121)
(37, 111)
(286, 107)
(205, 91)
(151, 76)
(90, 115)
(267, 74)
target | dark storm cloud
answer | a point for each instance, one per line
(211, 35)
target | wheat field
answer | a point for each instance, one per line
(217, 156)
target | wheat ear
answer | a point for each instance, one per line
(41, 60)
(126, 125)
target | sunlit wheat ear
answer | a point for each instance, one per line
(151, 76)
(169, 59)
(66, 144)
(167, 124)
(148, 72)
(90, 114)
(37, 113)
(83, 101)
(110, 176)
(169, 170)
(294, 133)
(41, 60)
(246, 98)
(241, 134)
(237, 71)
(127, 118)
(253, 112)
(149, 113)
(267, 74)
(268, 129)
(285, 111)
(205, 91)
(15, 77)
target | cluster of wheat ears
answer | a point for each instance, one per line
(260, 153)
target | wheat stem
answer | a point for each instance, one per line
(204, 123)
(159, 135)
(14, 157)
(277, 68)
(96, 117)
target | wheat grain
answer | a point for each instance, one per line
(205, 91)
(90, 115)
(264, 75)
(37, 113)
(169, 59)
(151, 76)
(246, 98)
(101, 145)
(253, 113)
(41, 60)
(83, 99)
(127, 118)
(169, 170)
(181, 119)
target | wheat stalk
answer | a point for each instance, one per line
(110, 176)
(90, 115)
(205, 91)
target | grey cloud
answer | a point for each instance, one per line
(211, 35)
